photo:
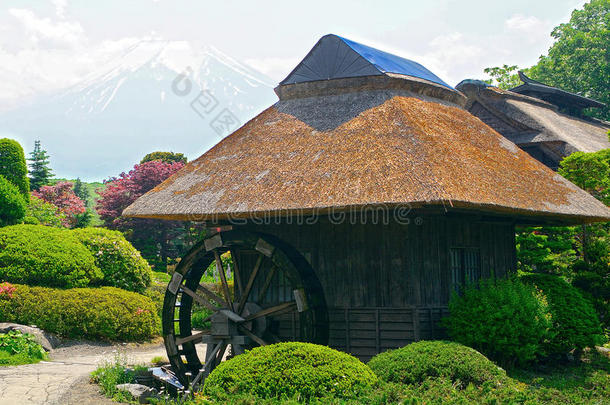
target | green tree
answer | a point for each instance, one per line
(504, 77)
(12, 204)
(166, 157)
(579, 59)
(40, 172)
(81, 191)
(589, 171)
(13, 166)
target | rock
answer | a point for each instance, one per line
(47, 340)
(140, 392)
(603, 350)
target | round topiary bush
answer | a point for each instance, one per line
(505, 320)
(575, 322)
(414, 363)
(292, 369)
(121, 263)
(12, 204)
(41, 255)
(106, 313)
(13, 166)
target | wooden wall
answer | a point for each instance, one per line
(387, 285)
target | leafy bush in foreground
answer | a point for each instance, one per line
(19, 348)
(575, 322)
(41, 212)
(505, 320)
(416, 362)
(12, 204)
(292, 369)
(105, 313)
(41, 255)
(121, 263)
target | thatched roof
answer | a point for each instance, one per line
(393, 138)
(528, 120)
(364, 149)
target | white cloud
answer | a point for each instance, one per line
(530, 26)
(47, 32)
(60, 7)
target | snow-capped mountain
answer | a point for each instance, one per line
(157, 95)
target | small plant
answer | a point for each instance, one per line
(112, 373)
(291, 370)
(159, 361)
(415, 363)
(20, 348)
(505, 320)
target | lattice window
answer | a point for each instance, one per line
(465, 266)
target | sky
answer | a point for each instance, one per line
(46, 45)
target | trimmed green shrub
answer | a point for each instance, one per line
(292, 369)
(12, 205)
(505, 320)
(575, 322)
(13, 166)
(41, 255)
(121, 263)
(106, 313)
(416, 362)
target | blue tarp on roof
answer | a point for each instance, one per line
(389, 63)
(334, 57)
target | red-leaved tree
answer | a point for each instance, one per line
(62, 196)
(157, 240)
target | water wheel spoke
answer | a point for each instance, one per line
(223, 279)
(252, 336)
(191, 338)
(236, 272)
(246, 293)
(212, 295)
(267, 283)
(206, 366)
(199, 299)
(275, 310)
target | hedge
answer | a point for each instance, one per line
(12, 204)
(13, 166)
(121, 264)
(291, 370)
(105, 313)
(41, 255)
(575, 321)
(416, 362)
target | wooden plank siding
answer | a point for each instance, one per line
(389, 284)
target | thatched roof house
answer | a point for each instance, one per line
(356, 130)
(358, 127)
(545, 121)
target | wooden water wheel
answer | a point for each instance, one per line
(274, 296)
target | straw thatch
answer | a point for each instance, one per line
(531, 122)
(365, 148)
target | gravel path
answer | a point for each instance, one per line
(64, 379)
